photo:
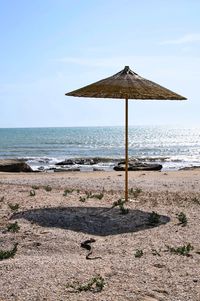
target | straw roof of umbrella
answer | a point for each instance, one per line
(126, 84)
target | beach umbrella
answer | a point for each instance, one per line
(126, 84)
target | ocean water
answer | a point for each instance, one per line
(173, 147)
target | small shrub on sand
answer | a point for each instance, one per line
(13, 207)
(32, 193)
(182, 250)
(135, 192)
(95, 285)
(1, 199)
(196, 200)
(138, 253)
(182, 219)
(67, 191)
(13, 227)
(88, 194)
(48, 188)
(8, 254)
(98, 196)
(121, 204)
(82, 199)
(155, 252)
(35, 187)
(153, 219)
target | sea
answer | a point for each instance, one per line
(42, 148)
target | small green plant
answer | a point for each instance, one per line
(135, 192)
(153, 219)
(8, 254)
(1, 199)
(182, 250)
(32, 192)
(35, 187)
(67, 191)
(48, 188)
(82, 199)
(88, 194)
(78, 191)
(13, 227)
(182, 219)
(97, 196)
(13, 207)
(138, 253)
(196, 200)
(155, 252)
(121, 204)
(95, 285)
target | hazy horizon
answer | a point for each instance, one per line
(109, 126)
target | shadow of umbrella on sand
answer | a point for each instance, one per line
(126, 84)
(101, 221)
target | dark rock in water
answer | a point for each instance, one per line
(85, 161)
(97, 160)
(98, 169)
(63, 169)
(190, 168)
(14, 165)
(80, 161)
(134, 166)
(66, 162)
(41, 168)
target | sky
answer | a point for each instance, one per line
(48, 48)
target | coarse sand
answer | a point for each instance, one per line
(138, 256)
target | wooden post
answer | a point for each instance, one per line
(126, 150)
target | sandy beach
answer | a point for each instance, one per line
(134, 258)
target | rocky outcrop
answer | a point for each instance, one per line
(12, 165)
(190, 168)
(64, 169)
(66, 162)
(98, 169)
(134, 166)
(85, 161)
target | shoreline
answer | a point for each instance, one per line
(102, 163)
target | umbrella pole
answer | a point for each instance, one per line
(126, 150)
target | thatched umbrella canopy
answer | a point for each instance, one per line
(126, 84)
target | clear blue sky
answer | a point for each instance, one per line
(51, 47)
